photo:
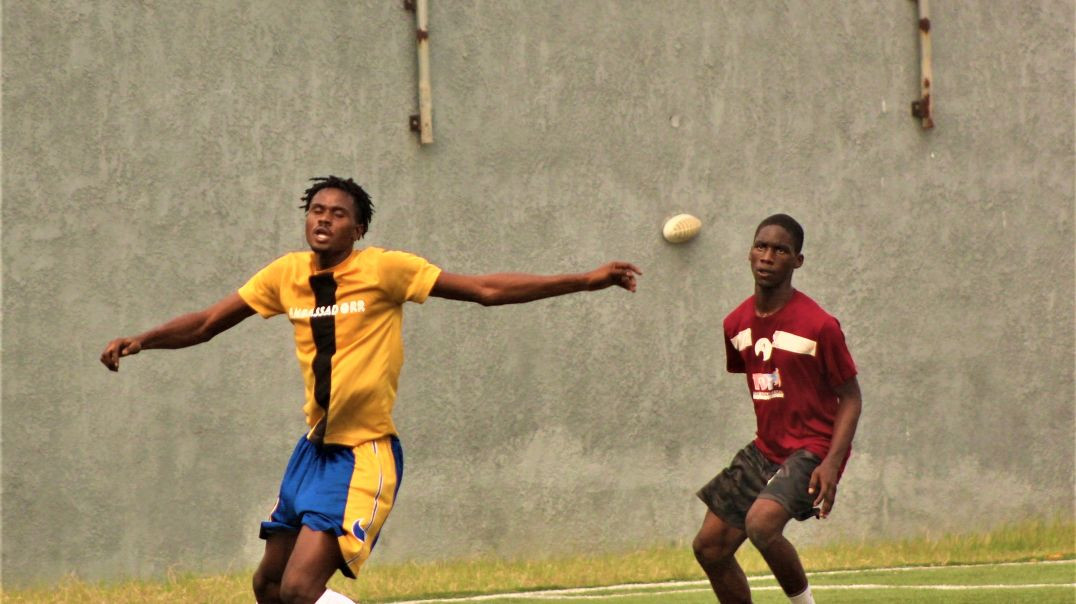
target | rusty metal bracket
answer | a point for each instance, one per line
(921, 110)
(422, 123)
(923, 107)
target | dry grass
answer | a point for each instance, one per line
(1023, 541)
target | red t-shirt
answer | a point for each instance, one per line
(793, 360)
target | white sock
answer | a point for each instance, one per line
(804, 597)
(331, 597)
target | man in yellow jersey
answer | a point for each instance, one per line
(345, 305)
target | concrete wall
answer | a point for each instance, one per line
(154, 153)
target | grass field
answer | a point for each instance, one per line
(1027, 562)
(1040, 582)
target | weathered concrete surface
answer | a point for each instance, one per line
(153, 155)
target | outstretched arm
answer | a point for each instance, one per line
(514, 288)
(185, 330)
(824, 478)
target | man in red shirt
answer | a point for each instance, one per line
(802, 380)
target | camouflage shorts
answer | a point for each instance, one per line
(751, 476)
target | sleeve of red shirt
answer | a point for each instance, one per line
(733, 361)
(837, 363)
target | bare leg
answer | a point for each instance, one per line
(271, 569)
(314, 559)
(766, 522)
(715, 548)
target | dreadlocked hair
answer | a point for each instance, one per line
(364, 208)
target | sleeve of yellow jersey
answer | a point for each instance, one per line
(262, 292)
(406, 277)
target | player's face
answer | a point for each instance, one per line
(331, 226)
(773, 257)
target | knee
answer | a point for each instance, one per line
(299, 591)
(762, 534)
(266, 588)
(712, 552)
(765, 523)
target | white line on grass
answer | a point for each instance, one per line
(586, 593)
(815, 588)
(931, 567)
(941, 587)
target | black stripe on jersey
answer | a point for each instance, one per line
(324, 332)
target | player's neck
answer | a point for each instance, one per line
(326, 260)
(769, 300)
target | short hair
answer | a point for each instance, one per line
(364, 208)
(789, 224)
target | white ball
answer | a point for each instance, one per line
(681, 228)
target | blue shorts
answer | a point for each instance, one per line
(348, 491)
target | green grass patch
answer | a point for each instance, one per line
(1032, 540)
(1006, 582)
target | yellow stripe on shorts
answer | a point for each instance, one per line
(369, 501)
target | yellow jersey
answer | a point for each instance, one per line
(347, 322)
